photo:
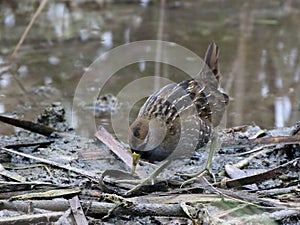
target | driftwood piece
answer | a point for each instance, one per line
(103, 135)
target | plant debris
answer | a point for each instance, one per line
(45, 171)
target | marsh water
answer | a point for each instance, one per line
(258, 40)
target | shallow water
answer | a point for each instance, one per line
(259, 58)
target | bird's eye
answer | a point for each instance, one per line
(136, 132)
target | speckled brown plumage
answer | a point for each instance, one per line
(156, 131)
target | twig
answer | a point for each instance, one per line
(35, 16)
(88, 174)
(39, 144)
(28, 125)
(17, 48)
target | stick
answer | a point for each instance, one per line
(95, 177)
(28, 125)
(35, 16)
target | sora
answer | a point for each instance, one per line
(156, 132)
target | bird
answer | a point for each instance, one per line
(198, 104)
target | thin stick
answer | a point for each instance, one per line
(88, 174)
(35, 16)
(17, 48)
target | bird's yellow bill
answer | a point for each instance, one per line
(135, 159)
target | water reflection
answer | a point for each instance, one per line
(297, 74)
(142, 65)
(5, 80)
(2, 108)
(22, 70)
(259, 50)
(58, 15)
(283, 109)
(107, 39)
(53, 60)
(144, 2)
(9, 18)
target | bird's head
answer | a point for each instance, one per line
(146, 134)
(145, 139)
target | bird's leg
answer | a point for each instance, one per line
(207, 169)
(149, 179)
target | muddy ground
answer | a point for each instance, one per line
(272, 197)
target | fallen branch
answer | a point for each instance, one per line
(99, 208)
(102, 208)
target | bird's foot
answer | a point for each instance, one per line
(195, 176)
(149, 179)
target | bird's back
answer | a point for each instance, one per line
(199, 99)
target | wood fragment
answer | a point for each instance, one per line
(77, 211)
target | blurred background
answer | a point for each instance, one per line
(259, 58)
